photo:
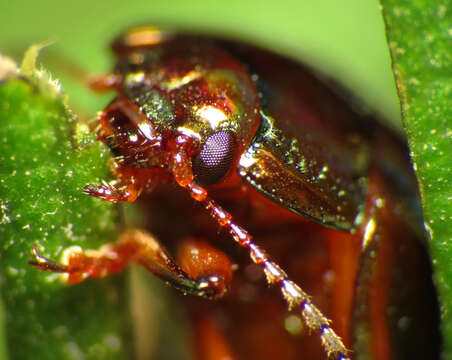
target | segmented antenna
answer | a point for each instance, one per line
(295, 297)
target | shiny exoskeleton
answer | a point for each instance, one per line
(326, 190)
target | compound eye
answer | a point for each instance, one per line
(215, 158)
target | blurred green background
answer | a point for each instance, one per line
(345, 39)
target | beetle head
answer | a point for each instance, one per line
(187, 98)
(144, 126)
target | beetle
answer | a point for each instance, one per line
(326, 189)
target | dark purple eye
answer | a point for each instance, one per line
(215, 158)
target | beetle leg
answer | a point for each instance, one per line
(393, 274)
(114, 191)
(205, 263)
(126, 188)
(204, 271)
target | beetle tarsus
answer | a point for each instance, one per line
(112, 192)
(42, 263)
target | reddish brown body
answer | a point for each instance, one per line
(327, 191)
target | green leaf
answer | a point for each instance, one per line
(46, 158)
(420, 38)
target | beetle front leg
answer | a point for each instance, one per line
(114, 191)
(204, 271)
(126, 188)
(210, 267)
